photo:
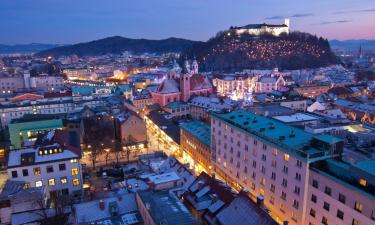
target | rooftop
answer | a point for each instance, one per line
(297, 117)
(166, 209)
(164, 178)
(199, 130)
(290, 139)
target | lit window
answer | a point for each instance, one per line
(73, 160)
(362, 182)
(38, 183)
(75, 171)
(286, 157)
(64, 180)
(75, 182)
(36, 171)
(51, 182)
(358, 206)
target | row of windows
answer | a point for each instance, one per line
(52, 182)
(341, 198)
(339, 214)
(49, 169)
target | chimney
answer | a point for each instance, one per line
(260, 200)
(101, 205)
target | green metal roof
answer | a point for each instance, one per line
(293, 140)
(328, 138)
(174, 105)
(198, 129)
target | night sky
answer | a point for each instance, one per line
(72, 21)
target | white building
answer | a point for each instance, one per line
(14, 110)
(258, 29)
(55, 167)
(48, 83)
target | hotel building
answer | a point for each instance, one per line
(270, 159)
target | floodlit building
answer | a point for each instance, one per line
(258, 29)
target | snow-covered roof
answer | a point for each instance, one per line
(15, 156)
(164, 178)
(297, 117)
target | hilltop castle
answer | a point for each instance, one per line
(257, 29)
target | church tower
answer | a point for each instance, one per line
(187, 67)
(185, 86)
(194, 67)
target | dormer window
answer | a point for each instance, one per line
(362, 182)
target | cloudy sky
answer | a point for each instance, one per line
(72, 21)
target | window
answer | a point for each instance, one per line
(298, 176)
(273, 176)
(297, 190)
(356, 222)
(315, 184)
(283, 195)
(326, 206)
(73, 160)
(340, 214)
(362, 182)
(36, 171)
(342, 198)
(274, 163)
(274, 151)
(63, 180)
(75, 182)
(263, 181)
(299, 163)
(14, 174)
(295, 204)
(253, 186)
(358, 206)
(328, 190)
(264, 157)
(263, 170)
(282, 207)
(312, 213)
(49, 169)
(284, 183)
(313, 198)
(75, 171)
(254, 164)
(25, 172)
(51, 182)
(272, 200)
(62, 167)
(272, 189)
(38, 183)
(285, 169)
(286, 157)
(324, 220)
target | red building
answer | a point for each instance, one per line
(181, 88)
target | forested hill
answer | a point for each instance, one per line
(231, 52)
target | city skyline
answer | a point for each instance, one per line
(68, 22)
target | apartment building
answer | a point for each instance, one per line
(195, 142)
(341, 193)
(270, 159)
(55, 165)
(15, 110)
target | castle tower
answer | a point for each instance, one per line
(194, 67)
(185, 86)
(287, 22)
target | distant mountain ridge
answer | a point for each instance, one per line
(25, 48)
(118, 44)
(353, 45)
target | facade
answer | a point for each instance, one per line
(340, 193)
(177, 109)
(258, 29)
(311, 91)
(267, 84)
(131, 130)
(268, 158)
(16, 110)
(47, 83)
(54, 166)
(141, 100)
(9, 84)
(195, 142)
(202, 106)
(234, 85)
